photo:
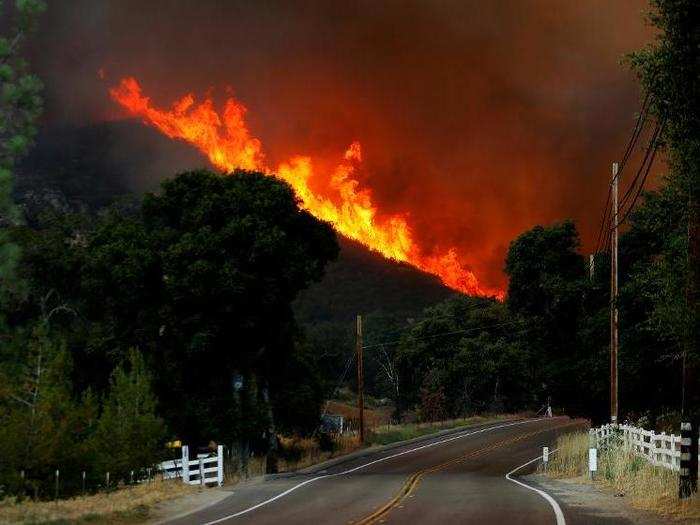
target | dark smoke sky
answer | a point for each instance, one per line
(478, 118)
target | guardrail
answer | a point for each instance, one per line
(661, 450)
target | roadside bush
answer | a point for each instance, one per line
(290, 451)
(326, 442)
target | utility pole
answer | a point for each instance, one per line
(613, 300)
(690, 402)
(360, 381)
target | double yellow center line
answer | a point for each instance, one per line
(414, 480)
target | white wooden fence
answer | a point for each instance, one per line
(661, 450)
(201, 471)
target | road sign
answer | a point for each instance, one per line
(545, 454)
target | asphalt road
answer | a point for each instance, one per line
(460, 477)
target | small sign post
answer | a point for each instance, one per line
(592, 461)
(545, 457)
(185, 464)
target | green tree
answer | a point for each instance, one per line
(544, 268)
(201, 279)
(669, 71)
(129, 434)
(20, 107)
(298, 394)
(464, 357)
(549, 288)
(42, 426)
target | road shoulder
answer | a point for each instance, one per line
(177, 508)
(589, 504)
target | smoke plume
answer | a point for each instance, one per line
(477, 119)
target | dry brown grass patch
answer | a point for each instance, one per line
(309, 452)
(626, 474)
(128, 504)
(571, 457)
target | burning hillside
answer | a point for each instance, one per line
(331, 195)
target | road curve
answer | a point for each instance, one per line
(469, 476)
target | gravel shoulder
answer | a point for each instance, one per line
(585, 503)
(176, 508)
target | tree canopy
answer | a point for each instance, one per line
(200, 278)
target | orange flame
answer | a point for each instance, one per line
(226, 141)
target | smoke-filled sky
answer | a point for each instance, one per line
(478, 118)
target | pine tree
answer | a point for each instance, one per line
(20, 108)
(129, 433)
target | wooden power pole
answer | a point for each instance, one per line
(360, 381)
(690, 401)
(613, 300)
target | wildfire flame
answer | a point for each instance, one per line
(226, 141)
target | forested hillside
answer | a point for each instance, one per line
(85, 169)
(363, 282)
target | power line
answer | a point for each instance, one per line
(604, 222)
(631, 144)
(348, 363)
(638, 126)
(454, 332)
(415, 322)
(645, 159)
(646, 166)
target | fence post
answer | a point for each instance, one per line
(672, 451)
(220, 465)
(83, 483)
(185, 464)
(56, 492)
(688, 475)
(107, 481)
(592, 438)
(201, 471)
(592, 452)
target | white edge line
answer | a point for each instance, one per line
(355, 469)
(555, 506)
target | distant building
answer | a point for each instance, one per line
(332, 423)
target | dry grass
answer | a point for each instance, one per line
(304, 452)
(257, 466)
(571, 457)
(643, 485)
(126, 505)
(308, 452)
(373, 416)
(646, 486)
(385, 434)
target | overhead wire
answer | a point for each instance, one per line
(417, 322)
(648, 163)
(453, 332)
(631, 144)
(647, 153)
(348, 363)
